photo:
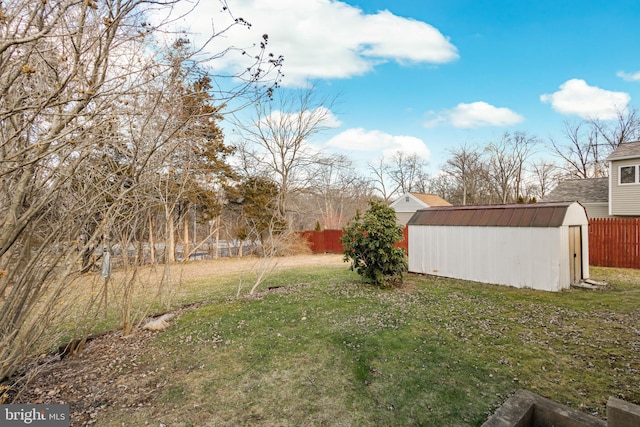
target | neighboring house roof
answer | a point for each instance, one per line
(411, 202)
(431, 199)
(550, 214)
(627, 150)
(589, 190)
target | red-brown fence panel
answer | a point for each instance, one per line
(404, 244)
(328, 241)
(315, 239)
(614, 242)
(325, 241)
(332, 241)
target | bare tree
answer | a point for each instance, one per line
(275, 142)
(502, 169)
(337, 192)
(407, 171)
(545, 176)
(580, 153)
(625, 128)
(380, 180)
(506, 164)
(443, 185)
(82, 131)
(523, 146)
(589, 142)
(276, 243)
(467, 169)
(56, 110)
(402, 173)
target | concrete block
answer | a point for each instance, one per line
(622, 414)
(527, 409)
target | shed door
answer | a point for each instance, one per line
(575, 254)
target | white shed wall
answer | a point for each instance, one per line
(575, 215)
(516, 256)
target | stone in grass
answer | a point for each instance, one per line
(160, 323)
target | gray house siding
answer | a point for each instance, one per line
(592, 193)
(597, 210)
(624, 199)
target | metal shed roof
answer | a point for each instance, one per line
(549, 214)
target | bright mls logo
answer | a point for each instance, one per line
(34, 415)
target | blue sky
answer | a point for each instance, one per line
(422, 76)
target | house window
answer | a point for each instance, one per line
(406, 199)
(629, 174)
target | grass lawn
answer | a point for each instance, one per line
(325, 349)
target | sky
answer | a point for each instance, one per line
(425, 76)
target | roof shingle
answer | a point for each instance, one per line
(590, 190)
(431, 199)
(625, 151)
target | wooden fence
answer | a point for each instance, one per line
(325, 241)
(328, 241)
(614, 242)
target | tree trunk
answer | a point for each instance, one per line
(170, 246)
(217, 251)
(152, 242)
(464, 193)
(185, 236)
(140, 247)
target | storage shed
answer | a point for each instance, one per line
(541, 246)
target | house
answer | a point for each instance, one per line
(406, 205)
(624, 180)
(542, 246)
(592, 193)
(615, 196)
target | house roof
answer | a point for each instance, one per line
(431, 199)
(589, 190)
(626, 150)
(550, 214)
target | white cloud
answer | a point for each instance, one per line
(330, 120)
(358, 139)
(322, 115)
(320, 38)
(589, 102)
(630, 77)
(473, 115)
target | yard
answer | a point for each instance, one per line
(321, 348)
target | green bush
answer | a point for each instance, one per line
(369, 244)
